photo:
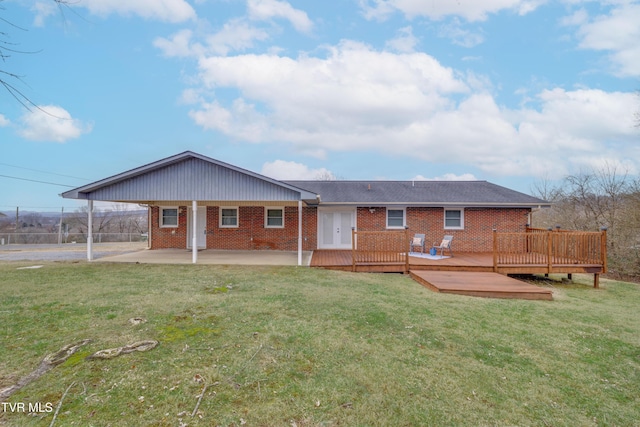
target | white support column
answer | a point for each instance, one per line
(149, 227)
(299, 232)
(90, 230)
(194, 231)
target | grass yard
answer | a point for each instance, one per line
(286, 346)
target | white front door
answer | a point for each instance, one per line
(201, 228)
(334, 229)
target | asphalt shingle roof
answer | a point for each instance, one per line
(428, 193)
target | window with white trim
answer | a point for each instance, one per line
(454, 219)
(169, 217)
(228, 217)
(273, 217)
(395, 218)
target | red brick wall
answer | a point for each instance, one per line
(168, 237)
(475, 237)
(250, 233)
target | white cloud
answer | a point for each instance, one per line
(161, 10)
(355, 90)
(235, 35)
(454, 30)
(284, 170)
(447, 177)
(51, 123)
(356, 98)
(438, 9)
(241, 120)
(264, 10)
(4, 121)
(42, 9)
(579, 17)
(405, 42)
(617, 33)
(178, 45)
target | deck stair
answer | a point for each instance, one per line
(480, 284)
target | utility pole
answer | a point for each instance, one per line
(17, 217)
(60, 227)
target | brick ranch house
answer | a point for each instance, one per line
(233, 208)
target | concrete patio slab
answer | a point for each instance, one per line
(210, 256)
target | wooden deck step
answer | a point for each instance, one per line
(480, 284)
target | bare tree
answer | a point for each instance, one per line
(32, 220)
(79, 220)
(9, 47)
(127, 221)
(637, 113)
(606, 197)
(5, 222)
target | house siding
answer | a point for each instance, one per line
(193, 179)
(250, 234)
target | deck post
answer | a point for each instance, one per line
(406, 254)
(596, 281)
(549, 251)
(353, 249)
(603, 249)
(495, 250)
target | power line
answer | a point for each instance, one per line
(41, 171)
(13, 207)
(40, 182)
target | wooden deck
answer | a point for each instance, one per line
(465, 273)
(462, 261)
(479, 284)
(535, 251)
(341, 260)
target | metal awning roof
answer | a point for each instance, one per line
(189, 176)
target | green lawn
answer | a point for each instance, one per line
(286, 346)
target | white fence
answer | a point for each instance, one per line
(54, 238)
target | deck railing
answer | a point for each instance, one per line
(550, 248)
(380, 247)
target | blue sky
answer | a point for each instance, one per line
(509, 91)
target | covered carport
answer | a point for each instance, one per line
(193, 180)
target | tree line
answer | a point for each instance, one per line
(31, 227)
(607, 197)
